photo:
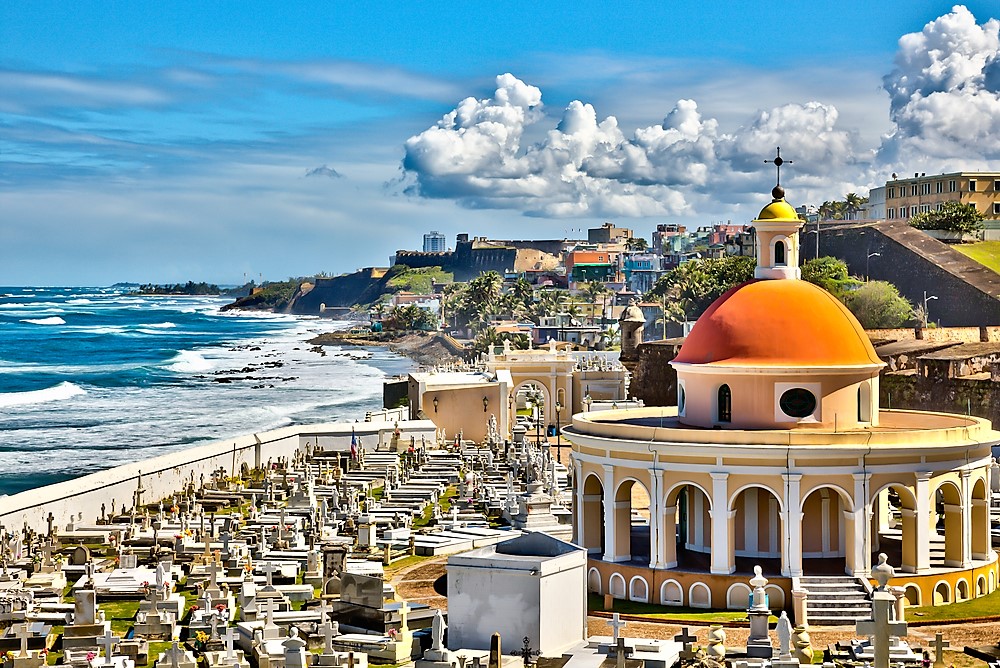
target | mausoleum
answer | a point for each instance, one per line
(779, 454)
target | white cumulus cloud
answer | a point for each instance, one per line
(945, 97)
(587, 166)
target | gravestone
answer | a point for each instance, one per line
(361, 590)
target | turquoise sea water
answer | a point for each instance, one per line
(91, 378)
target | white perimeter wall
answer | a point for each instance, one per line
(165, 475)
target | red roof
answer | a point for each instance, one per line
(778, 323)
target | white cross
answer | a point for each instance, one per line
(616, 624)
(229, 639)
(404, 611)
(109, 641)
(23, 633)
(269, 609)
(175, 649)
(880, 627)
(939, 645)
(213, 573)
(326, 630)
(269, 570)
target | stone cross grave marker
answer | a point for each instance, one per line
(328, 631)
(622, 652)
(23, 631)
(269, 570)
(526, 653)
(616, 624)
(108, 640)
(687, 640)
(229, 638)
(940, 645)
(880, 627)
(269, 610)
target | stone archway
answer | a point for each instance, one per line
(894, 526)
(980, 542)
(687, 526)
(757, 529)
(632, 523)
(949, 508)
(532, 402)
(825, 531)
(592, 529)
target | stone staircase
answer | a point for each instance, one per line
(835, 600)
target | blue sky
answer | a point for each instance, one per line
(172, 141)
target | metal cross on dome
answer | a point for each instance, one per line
(778, 162)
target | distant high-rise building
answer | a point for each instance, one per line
(435, 242)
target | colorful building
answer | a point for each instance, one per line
(778, 454)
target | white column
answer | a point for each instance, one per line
(791, 550)
(859, 561)
(723, 559)
(579, 530)
(656, 520)
(966, 519)
(921, 490)
(609, 513)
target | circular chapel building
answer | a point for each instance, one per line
(779, 455)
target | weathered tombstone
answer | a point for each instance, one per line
(880, 627)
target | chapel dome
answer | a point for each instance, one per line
(779, 323)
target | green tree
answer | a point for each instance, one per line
(831, 274)
(951, 217)
(878, 304)
(637, 244)
(489, 337)
(691, 288)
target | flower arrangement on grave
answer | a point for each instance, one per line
(200, 638)
(392, 634)
(145, 586)
(219, 607)
(91, 655)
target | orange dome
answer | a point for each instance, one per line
(778, 323)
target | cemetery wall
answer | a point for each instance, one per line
(162, 476)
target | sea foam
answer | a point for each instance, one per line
(63, 390)
(54, 320)
(189, 361)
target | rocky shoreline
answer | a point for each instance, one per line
(424, 348)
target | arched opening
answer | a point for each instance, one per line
(948, 509)
(592, 530)
(757, 530)
(616, 585)
(894, 527)
(671, 593)
(638, 590)
(531, 402)
(992, 584)
(700, 596)
(961, 591)
(632, 535)
(824, 534)
(687, 528)
(980, 521)
(779, 254)
(594, 581)
(980, 586)
(912, 593)
(775, 597)
(725, 404)
(738, 597)
(942, 593)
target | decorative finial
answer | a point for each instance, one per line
(778, 193)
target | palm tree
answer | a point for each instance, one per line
(637, 244)
(853, 203)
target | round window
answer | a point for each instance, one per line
(797, 402)
(680, 398)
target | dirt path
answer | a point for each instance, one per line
(416, 582)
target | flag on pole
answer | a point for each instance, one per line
(354, 444)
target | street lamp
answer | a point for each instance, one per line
(927, 298)
(558, 434)
(816, 232)
(867, 261)
(587, 401)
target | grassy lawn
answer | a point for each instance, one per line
(984, 606)
(403, 563)
(120, 613)
(679, 613)
(986, 253)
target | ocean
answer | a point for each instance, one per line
(91, 378)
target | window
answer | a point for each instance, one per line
(972, 185)
(940, 205)
(891, 213)
(890, 193)
(681, 399)
(952, 186)
(996, 185)
(864, 403)
(725, 404)
(996, 208)
(779, 253)
(924, 208)
(797, 402)
(940, 187)
(913, 190)
(913, 211)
